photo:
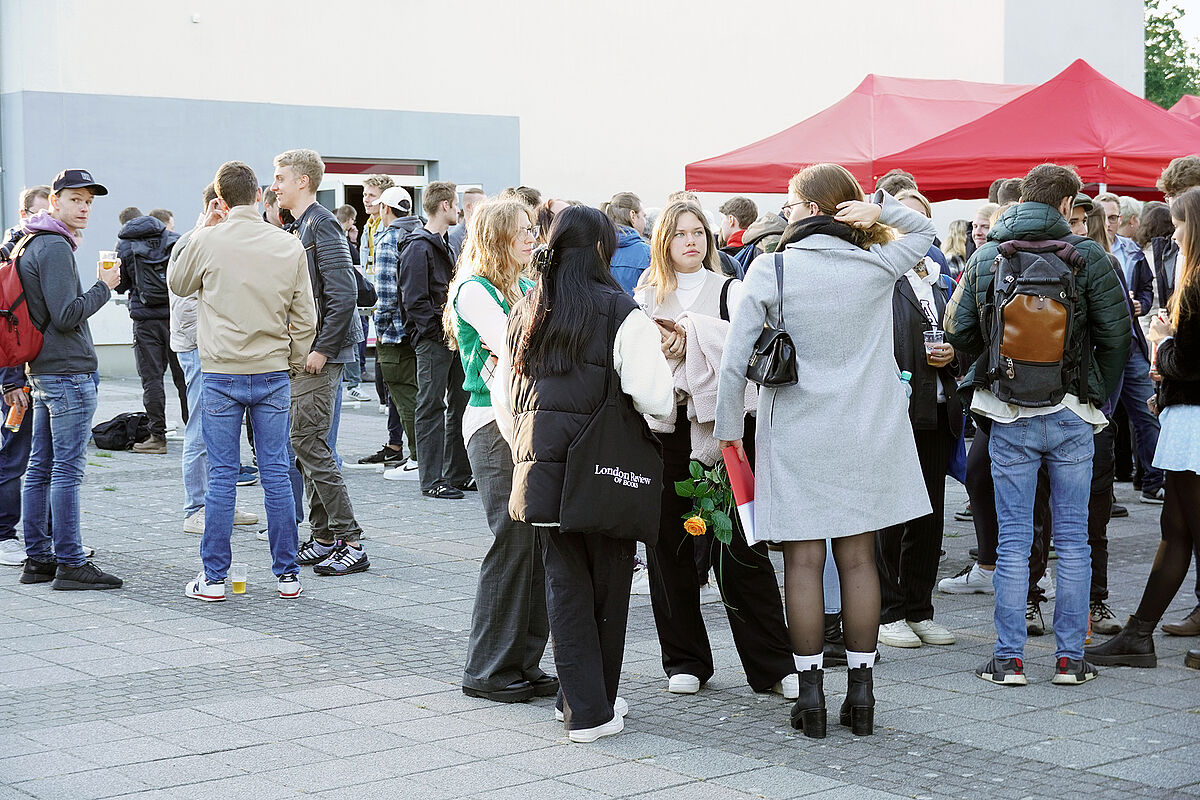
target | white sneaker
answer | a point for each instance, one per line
(262, 536)
(289, 587)
(201, 589)
(709, 593)
(683, 684)
(402, 473)
(12, 553)
(1046, 584)
(641, 581)
(584, 735)
(244, 517)
(620, 708)
(898, 634)
(972, 580)
(357, 395)
(195, 523)
(383, 408)
(788, 686)
(930, 632)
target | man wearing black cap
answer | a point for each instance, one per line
(62, 378)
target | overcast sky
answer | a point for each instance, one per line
(1189, 24)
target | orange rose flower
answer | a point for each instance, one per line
(696, 526)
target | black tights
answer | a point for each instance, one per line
(803, 563)
(1180, 536)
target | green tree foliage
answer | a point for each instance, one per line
(1172, 66)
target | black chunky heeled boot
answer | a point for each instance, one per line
(808, 714)
(1133, 646)
(858, 711)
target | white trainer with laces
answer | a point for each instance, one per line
(971, 580)
(12, 552)
(201, 589)
(788, 686)
(289, 586)
(929, 632)
(683, 684)
(898, 634)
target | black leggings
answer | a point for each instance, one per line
(1180, 536)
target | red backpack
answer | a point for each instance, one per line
(20, 338)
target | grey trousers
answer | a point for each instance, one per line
(509, 628)
(441, 401)
(329, 509)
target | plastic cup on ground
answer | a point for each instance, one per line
(237, 577)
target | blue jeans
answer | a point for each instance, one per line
(14, 458)
(226, 398)
(63, 406)
(195, 458)
(1134, 390)
(1064, 442)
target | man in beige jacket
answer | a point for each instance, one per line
(255, 322)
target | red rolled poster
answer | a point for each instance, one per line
(741, 481)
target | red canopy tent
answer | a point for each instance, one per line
(1188, 107)
(882, 115)
(1078, 117)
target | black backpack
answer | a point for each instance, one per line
(122, 431)
(150, 279)
(1027, 320)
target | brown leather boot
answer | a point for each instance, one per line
(1188, 626)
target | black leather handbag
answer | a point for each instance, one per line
(614, 472)
(773, 361)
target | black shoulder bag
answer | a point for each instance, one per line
(773, 361)
(614, 470)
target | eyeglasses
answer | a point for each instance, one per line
(787, 207)
(531, 231)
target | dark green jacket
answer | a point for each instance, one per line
(1101, 309)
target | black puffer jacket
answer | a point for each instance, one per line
(144, 245)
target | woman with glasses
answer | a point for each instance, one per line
(508, 626)
(835, 455)
(683, 292)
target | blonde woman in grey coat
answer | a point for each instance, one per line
(836, 457)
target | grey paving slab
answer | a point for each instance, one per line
(353, 692)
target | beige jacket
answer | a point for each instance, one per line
(255, 311)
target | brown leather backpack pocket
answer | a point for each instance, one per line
(1035, 329)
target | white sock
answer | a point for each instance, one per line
(855, 660)
(805, 663)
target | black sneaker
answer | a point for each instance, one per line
(345, 561)
(469, 486)
(87, 576)
(314, 552)
(386, 456)
(1118, 512)
(444, 492)
(1072, 671)
(38, 571)
(247, 476)
(1004, 671)
(1035, 625)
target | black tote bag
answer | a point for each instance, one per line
(614, 470)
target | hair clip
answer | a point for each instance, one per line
(542, 259)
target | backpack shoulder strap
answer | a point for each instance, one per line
(725, 299)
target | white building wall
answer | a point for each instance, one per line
(610, 97)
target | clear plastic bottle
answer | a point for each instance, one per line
(906, 379)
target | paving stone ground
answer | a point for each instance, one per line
(352, 691)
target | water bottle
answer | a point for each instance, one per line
(906, 379)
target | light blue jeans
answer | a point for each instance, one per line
(1063, 442)
(226, 399)
(195, 458)
(63, 406)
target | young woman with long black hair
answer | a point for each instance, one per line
(559, 368)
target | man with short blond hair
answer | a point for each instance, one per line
(335, 547)
(426, 268)
(247, 343)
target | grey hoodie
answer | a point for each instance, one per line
(57, 303)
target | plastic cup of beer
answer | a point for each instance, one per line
(108, 259)
(933, 338)
(237, 576)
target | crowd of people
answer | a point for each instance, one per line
(540, 351)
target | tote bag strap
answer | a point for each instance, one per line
(779, 281)
(610, 391)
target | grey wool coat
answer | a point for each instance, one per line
(835, 454)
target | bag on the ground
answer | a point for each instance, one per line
(614, 470)
(1027, 320)
(122, 431)
(20, 338)
(150, 278)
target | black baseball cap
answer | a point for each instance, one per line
(77, 179)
